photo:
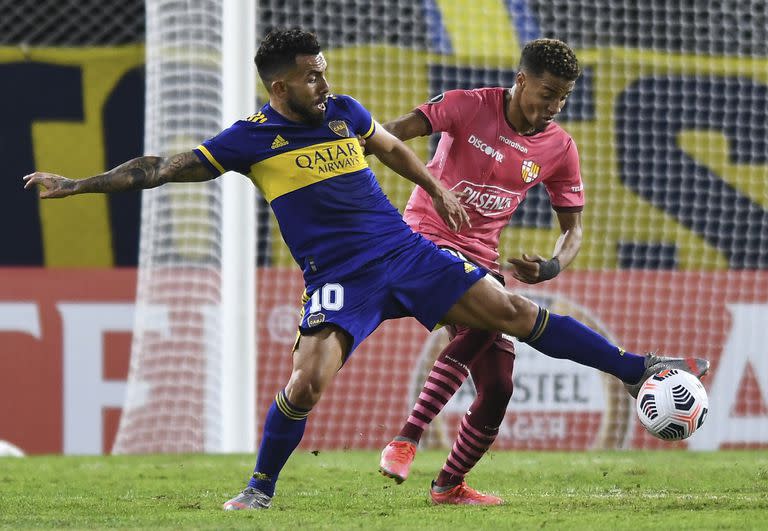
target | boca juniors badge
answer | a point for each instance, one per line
(340, 128)
(315, 319)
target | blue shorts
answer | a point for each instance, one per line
(422, 281)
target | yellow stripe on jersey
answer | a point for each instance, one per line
(298, 168)
(210, 158)
(370, 130)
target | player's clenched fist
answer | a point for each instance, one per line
(533, 269)
(52, 185)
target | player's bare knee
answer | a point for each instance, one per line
(304, 390)
(518, 315)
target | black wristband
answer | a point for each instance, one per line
(549, 269)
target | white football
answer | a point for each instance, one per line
(672, 404)
(9, 450)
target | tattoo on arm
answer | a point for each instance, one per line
(184, 167)
(148, 172)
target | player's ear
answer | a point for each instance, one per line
(278, 88)
(520, 79)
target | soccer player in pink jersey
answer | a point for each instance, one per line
(496, 145)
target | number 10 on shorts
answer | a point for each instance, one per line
(329, 297)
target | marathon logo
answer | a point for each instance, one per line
(485, 148)
(513, 144)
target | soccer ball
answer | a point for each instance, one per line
(9, 450)
(672, 404)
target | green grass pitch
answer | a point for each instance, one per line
(342, 490)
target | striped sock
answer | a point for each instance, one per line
(283, 430)
(471, 444)
(443, 381)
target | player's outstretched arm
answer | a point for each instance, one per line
(136, 174)
(533, 269)
(399, 157)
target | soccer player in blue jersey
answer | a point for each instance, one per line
(362, 264)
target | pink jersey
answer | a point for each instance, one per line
(482, 156)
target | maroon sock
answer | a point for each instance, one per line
(492, 374)
(448, 373)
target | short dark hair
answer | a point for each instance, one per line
(550, 55)
(279, 49)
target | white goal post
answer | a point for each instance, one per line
(238, 303)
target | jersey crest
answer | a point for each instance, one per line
(340, 128)
(530, 171)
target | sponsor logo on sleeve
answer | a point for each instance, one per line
(436, 99)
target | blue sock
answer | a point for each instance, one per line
(561, 336)
(283, 430)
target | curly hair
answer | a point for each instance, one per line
(550, 55)
(279, 49)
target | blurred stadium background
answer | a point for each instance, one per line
(670, 118)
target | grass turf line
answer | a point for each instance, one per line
(342, 490)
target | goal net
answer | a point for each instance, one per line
(671, 123)
(173, 385)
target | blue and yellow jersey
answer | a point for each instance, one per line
(333, 214)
